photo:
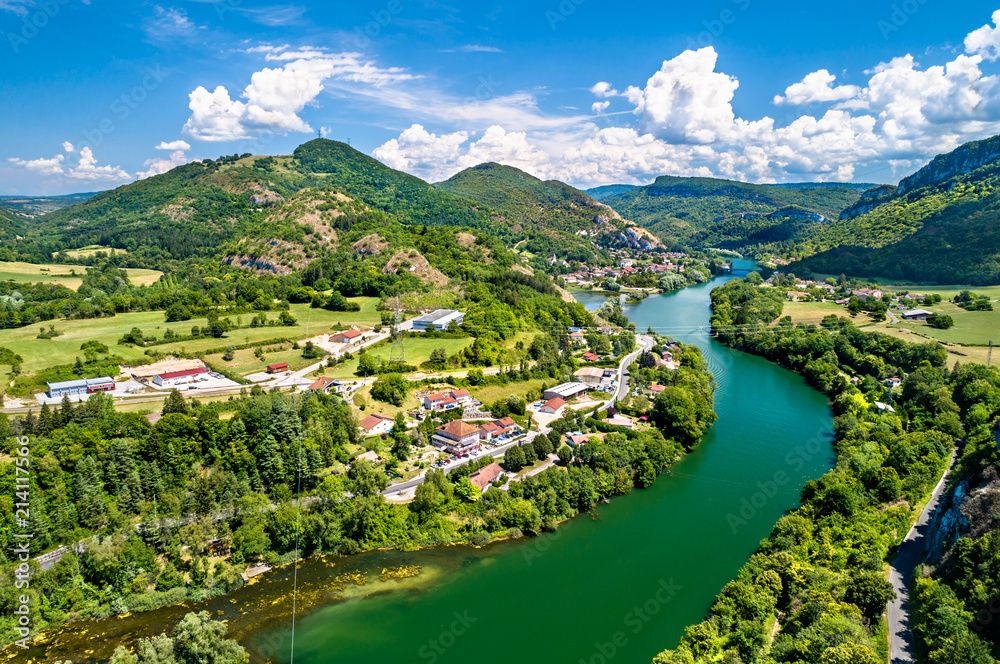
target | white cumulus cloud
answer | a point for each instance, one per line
(817, 87)
(986, 40)
(275, 97)
(74, 164)
(173, 145)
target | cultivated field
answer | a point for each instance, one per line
(813, 312)
(41, 353)
(86, 252)
(70, 276)
(972, 328)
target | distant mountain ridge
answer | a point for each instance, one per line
(941, 224)
(698, 211)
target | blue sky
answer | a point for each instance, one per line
(94, 94)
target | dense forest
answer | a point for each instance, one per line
(820, 575)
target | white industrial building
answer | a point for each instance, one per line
(566, 391)
(441, 319)
(81, 386)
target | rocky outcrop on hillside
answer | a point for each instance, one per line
(963, 160)
(869, 200)
(635, 238)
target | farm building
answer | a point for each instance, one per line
(178, 377)
(82, 386)
(442, 319)
(346, 337)
(566, 391)
(277, 368)
(917, 314)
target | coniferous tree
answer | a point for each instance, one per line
(175, 403)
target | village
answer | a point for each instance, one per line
(450, 425)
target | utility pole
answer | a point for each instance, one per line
(989, 354)
(397, 355)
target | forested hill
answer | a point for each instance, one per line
(526, 199)
(700, 211)
(195, 209)
(941, 224)
(10, 226)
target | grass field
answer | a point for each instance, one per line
(972, 328)
(946, 291)
(41, 353)
(813, 312)
(491, 393)
(86, 252)
(245, 362)
(955, 353)
(417, 352)
(69, 276)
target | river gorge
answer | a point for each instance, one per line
(621, 583)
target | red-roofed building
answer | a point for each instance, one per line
(439, 402)
(553, 406)
(327, 385)
(456, 437)
(483, 477)
(178, 377)
(278, 367)
(346, 337)
(375, 425)
(590, 357)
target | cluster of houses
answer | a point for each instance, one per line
(437, 402)
(902, 303)
(459, 437)
(589, 275)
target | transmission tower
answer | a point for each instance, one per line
(989, 355)
(396, 354)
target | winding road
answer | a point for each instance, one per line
(910, 553)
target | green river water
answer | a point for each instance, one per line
(616, 586)
(622, 586)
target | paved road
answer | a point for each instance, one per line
(909, 554)
(645, 343)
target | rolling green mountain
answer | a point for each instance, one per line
(195, 209)
(10, 226)
(701, 211)
(941, 224)
(555, 218)
(526, 200)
